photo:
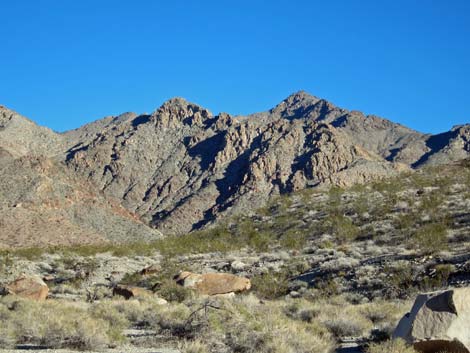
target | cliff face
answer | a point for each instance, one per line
(181, 167)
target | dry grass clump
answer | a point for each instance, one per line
(55, 324)
(343, 319)
(196, 346)
(244, 324)
(248, 325)
(148, 313)
(395, 346)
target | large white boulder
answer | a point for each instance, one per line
(438, 322)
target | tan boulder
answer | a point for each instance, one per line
(438, 322)
(132, 292)
(29, 287)
(213, 283)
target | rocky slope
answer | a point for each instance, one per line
(181, 167)
(43, 204)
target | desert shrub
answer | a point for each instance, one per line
(135, 312)
(431, 238)
(395, 346)
(361, 204)
(400, 278)
(98, 292)
(384, 315)
(440, 278)
(296, 312)
(270, 285)
(196, 346)
(107, 311)
(173, 292)
(343, 319)
(252, 326)
(405, 222)
(293, 239)
(335, 194)
(344, 327)
(174, 320)
(327, 287)
(6, 261)
(341, 227)
(7, 337)
(132, 279)
(431, 202)
(57, 324)
(247, 325)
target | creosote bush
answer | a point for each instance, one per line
(431, 238)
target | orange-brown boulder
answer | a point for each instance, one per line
(213, 283)
(29, 287)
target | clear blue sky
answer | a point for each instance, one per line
(65, 63)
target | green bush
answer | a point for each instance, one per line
(342, 228)
(270, 285)
(440, 278)
(431, 238)
(173, 292)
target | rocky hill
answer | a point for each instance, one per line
(181, 167)
(42, 203)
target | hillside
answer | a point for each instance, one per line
(340, 266)
(182, 168)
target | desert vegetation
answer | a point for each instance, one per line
(325, 265)
(242, 324)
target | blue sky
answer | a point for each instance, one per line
(65, 63)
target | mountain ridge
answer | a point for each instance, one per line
(181, 167)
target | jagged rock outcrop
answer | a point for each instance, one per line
(181, 167)
(219, 164)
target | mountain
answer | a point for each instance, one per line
(181, 167)
(42, 203)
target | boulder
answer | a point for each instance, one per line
(29, 287)
(132, 292)
(150, 270)
(213, 283)
(438, 322)
(238, 266)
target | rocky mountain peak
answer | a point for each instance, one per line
(178, 110)
(295, 101)
(300, 97)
